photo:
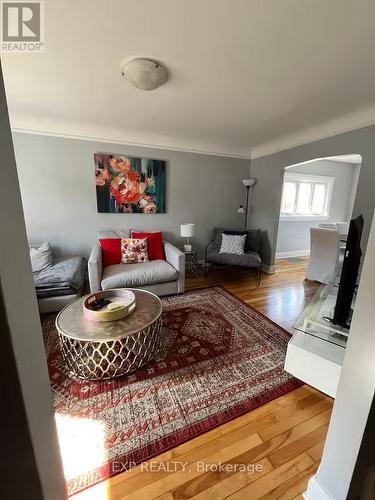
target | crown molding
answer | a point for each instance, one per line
(347, 123)
(111, 140)
(338, 126)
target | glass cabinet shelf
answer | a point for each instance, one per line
(315, 319)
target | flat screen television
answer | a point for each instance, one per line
(349, 274)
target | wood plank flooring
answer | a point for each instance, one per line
(282, 440)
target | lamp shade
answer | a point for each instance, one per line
(248, 182)
(187, 230)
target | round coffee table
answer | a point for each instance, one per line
(100, 351)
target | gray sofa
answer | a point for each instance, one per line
(251, 259)
(162, 277)
(60, 283)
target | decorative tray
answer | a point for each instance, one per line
(121, 304)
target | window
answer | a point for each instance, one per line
(306, 196)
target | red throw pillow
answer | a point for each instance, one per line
(154, 244)
(111, 251)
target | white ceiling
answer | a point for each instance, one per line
(247, 76)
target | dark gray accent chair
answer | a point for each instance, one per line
(251, 259)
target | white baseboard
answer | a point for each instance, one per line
(315, 491)
(294, 253)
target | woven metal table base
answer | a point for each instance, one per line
(191, 264)
(90, 360)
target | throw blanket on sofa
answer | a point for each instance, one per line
(64, 277)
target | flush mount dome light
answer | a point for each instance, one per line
(144, 74)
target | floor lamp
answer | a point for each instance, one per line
(249, 184)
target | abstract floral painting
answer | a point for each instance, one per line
(125, 184)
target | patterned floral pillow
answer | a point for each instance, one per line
(133, 250)
(233, 243)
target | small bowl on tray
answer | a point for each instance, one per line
(123, 304)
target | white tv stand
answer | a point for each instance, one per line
(316, 351)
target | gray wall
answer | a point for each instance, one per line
(269, 171)
(58, 192)
(294, 235)
(23, 324)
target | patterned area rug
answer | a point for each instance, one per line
(219, 359)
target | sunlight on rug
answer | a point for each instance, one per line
(99, 491)
(81, 444)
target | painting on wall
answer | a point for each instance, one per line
(126, 184)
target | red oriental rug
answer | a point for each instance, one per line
(220, 358)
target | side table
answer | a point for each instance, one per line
(191, 264)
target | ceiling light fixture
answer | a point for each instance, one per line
(144, 74)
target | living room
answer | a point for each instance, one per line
(195, 297)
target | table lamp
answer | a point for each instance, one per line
(187, 231)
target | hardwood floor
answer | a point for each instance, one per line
(282, 439)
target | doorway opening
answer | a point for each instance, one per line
(316, 193)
